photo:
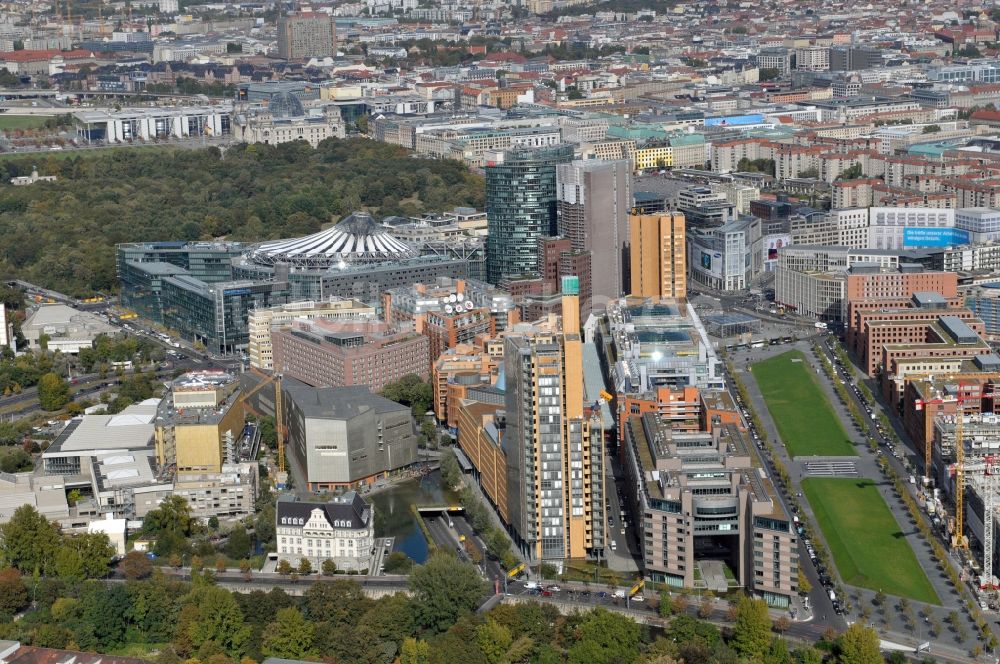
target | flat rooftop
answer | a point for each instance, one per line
(91, 434)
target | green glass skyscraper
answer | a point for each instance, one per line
(520, 208)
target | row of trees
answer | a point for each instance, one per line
(63, 235)
(496, 541)
(335, 621)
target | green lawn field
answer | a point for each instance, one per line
(866, 542)
(804, 417)
(21, 121)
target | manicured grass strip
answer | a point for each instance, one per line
(21, 121)
(805, 419)
(867, 543)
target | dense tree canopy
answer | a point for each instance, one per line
(411, 390)
(29, 541)
(43, 579)
(445, 589)
(63, 235)
(171, 524)
(53, 392)
(752, 634)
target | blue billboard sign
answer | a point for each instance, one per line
(934, 237)
(735, 120)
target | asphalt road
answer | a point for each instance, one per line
(26, 403)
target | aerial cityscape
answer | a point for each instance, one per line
(499, 332)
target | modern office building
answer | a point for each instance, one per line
(261, 322)
(984, 301)
(982, 224)
(812, 279)
(199, 423)
(341, 530)
(344, 437)
(130, 432)
(329, 353)
(454, 372)
(947, 336)
(481, 427)
(142, 287)
(850, 57)
(446, 330)
(877, 331)
(306, 35)
(414, 301)
(520, 207)
(721, 257)
(207, 261)
(651, 343)
(143, 266)
(658, 253)
(778, 58)
(593, 202)
(216, 314)
(139, 123)
(555, 466)
(700, 496)
(869, 290)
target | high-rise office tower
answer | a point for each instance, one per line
(555, 468)
(593, 204)
(306, 35)
(520, 208)
(658, 254)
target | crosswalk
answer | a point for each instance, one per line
(831, 468)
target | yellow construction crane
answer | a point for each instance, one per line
(978, 393)
(279, 415)
(958, 538)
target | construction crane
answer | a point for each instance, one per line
(959, 400)
(958, 538)
(980, 394)
(279, 416)
(986, 472)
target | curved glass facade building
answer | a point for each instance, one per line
(520, 208)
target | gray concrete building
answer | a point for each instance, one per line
(344, 437)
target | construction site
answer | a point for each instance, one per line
(961, 481)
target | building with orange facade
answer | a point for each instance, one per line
(481, 427)
(454, 371)
(658, 255)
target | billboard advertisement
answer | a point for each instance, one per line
(710, 262)
(706, 261)
(773, 245)
(735, 120)
(934, 237)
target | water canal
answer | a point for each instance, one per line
(393, 517)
